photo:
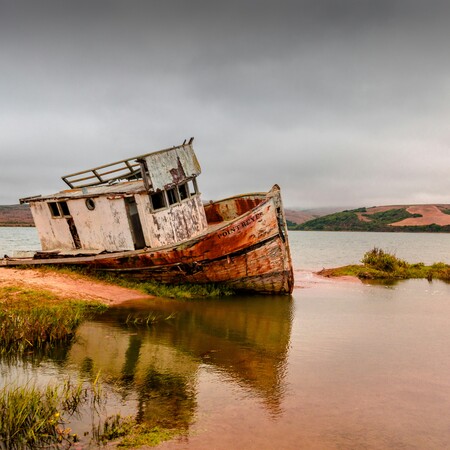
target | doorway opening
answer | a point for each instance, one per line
(135, 223)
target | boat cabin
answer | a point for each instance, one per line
(150, 200)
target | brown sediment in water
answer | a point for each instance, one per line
(309, 278)
(69, 286)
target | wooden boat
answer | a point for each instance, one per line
(144, 217)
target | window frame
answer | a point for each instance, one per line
(176, 197)
(59, 209)
(172, 196)
(186, 192)
(192, 182)
(163, 197)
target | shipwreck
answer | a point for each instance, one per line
(144, 217)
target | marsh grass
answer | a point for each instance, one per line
(184, 291)
(381, 265)
(145, 435)
(181, 291)
(33, 417)
(380, 260)
(37, 417)
(129, 434)
(36, 320)
(148, 320)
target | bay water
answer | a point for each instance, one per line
(339, 365)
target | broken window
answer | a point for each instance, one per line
(59, 209)
(183, 191)
(54, 209)
(172, 196)
(192, 186)
(158, 201)
(64, 209)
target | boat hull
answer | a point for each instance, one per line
(249, 252)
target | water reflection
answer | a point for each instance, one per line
(246, 339)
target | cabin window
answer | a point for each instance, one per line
(183, 191)
(158, 201)
(59, 209)
(90, 204)
(64, 209)
(192, 186)
(172, 196)
(54, 209)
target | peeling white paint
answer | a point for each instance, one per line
(99, 215)
(172, 166)
(107, 226)
(104, 228)
(53, 233)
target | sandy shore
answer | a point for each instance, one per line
(69, 286)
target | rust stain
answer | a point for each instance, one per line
(248, 255)
(230, 209)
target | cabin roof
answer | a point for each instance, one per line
(161, 169)
(151, 172)
(121, 189)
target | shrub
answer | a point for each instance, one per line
(381, 260)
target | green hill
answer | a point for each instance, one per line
(409, 218)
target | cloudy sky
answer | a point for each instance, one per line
(340, 102)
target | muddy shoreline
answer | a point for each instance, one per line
(79, 287)
(70, 286)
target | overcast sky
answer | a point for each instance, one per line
(340, 102)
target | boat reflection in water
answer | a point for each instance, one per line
(158, 365)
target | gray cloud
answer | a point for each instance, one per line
(341, 103)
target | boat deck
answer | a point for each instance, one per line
(75, 256)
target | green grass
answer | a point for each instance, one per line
(348, 221)
(380, 265)
(32, 320)
(182, 291)
(185, 291)
(147, 320)
(390, 216)
(30, 417)
(141, 435)
(128, 434)
(34, 417)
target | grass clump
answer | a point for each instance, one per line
(33, 417)
(129, 434)
(381, 265)
(147, 320)
(380, 260)
(37, 320)
(183, 291)
(142, 434)
(36, 418)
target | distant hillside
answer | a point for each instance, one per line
(423, 218)
(297, 216)
(15, 216)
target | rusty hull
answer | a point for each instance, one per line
(244, 247)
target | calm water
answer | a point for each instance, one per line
(339, 365)
(18, 239)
